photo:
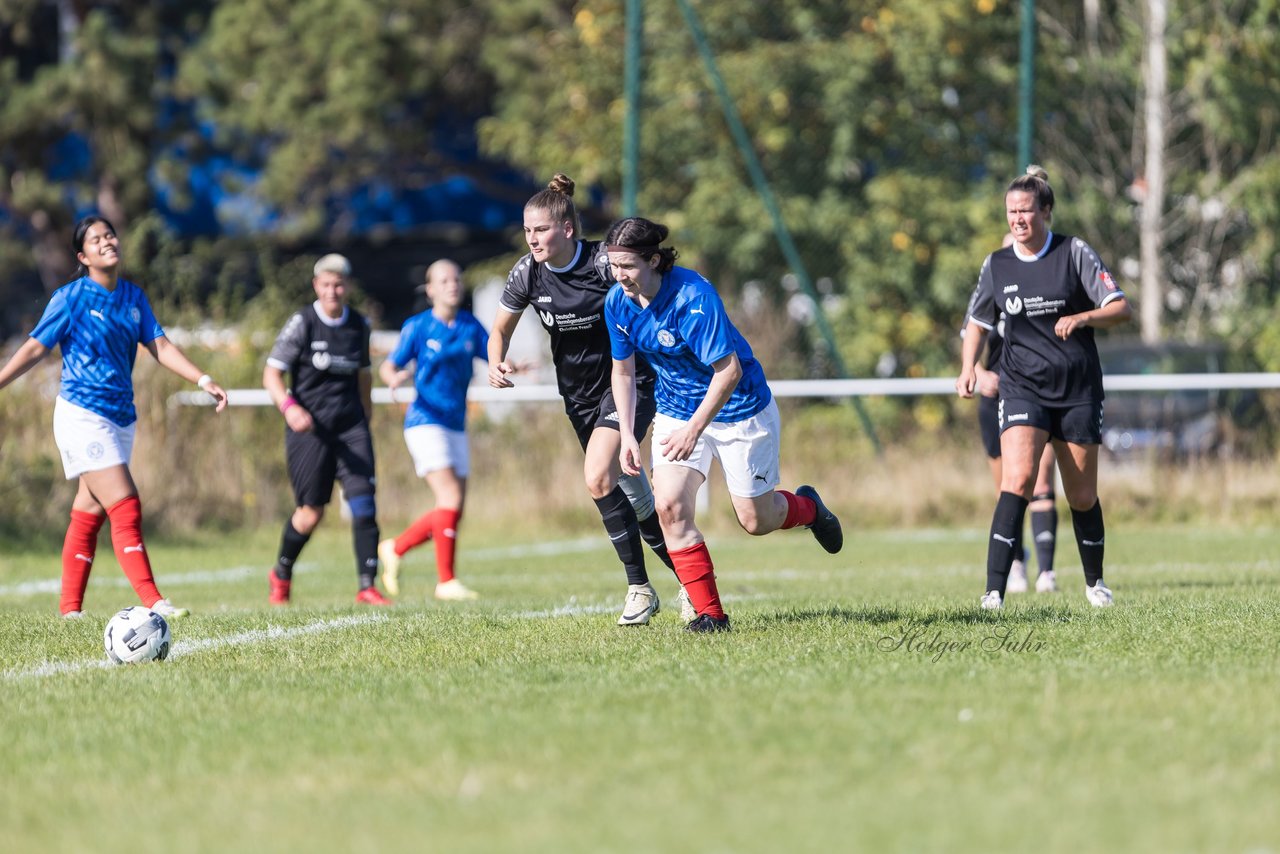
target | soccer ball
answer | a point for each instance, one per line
(135, 635)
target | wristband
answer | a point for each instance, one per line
(204, 381)
(287, 402)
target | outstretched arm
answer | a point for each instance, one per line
(26, 358)
(170, 355)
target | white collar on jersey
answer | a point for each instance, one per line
(330, 321)
(567, 267)
(1036, 257)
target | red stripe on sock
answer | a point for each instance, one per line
(800, 511)
(126, 539)
(696, 572)
(78, 550)
(446, 541)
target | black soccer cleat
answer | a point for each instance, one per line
(704, 623)
(826, 527)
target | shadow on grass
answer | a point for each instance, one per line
(882, 615)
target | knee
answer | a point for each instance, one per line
(363, 506)
(305, 519)
(599, 483)
(1082, 498)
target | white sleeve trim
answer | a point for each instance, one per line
(278, 365)
(972, 319)
(1114, 295)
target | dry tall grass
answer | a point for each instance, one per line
(196, 471)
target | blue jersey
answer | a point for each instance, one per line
(443, 353)
(682, 332)
(99, 332)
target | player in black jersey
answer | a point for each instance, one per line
(1054, 291)
(565, 279)
(325, 347)
(1044, 511)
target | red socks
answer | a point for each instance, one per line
(78, 551)
(446, 541)
(694, 569)
(440, 524)
(126, 538)
(417, 533)
(800, 511)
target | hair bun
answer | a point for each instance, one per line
(1037, 171)
(561, 183)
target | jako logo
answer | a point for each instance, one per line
(1013, 305)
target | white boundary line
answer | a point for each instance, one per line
(183, 648)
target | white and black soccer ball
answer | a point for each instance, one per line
(135, 635)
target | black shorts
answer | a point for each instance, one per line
(1079, 424)
(585, 418)
(989, 425)
(316, 458)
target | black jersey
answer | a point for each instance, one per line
(1067, 277)
(570, 304)
(324, 362)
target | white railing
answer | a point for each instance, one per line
(794, 388)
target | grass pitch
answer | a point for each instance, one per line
(862, 702)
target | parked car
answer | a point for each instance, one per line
(1185, 423)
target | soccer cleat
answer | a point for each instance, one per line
(1017, 576)
(991, 601)
(454, 590)
(371, 596)
(641, 604)
(825, 526)
(1047, 582)
(705, 623)
(72, 615)
(166, 609)
(390, 566)
(1099, 595)
(687, 613)
(279, 594)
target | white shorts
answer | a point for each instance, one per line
(88, 441)
(434, 447)
(748, 450)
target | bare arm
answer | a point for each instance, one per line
(971, 345)
(623, 383)
(26, 358)
(504, 326)
(295, 415)
(728, 371)
(393, 377)
(1112, 314)
(170, 355)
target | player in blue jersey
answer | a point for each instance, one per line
(566, 280)
(713, 402)
(443, 344)
(98, 320)
(1054, 291)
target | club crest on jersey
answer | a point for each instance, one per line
(1013, 305)
(1108, 281)
(136, 314)
(321, 360)
(666, 339)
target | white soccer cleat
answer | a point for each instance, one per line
(452, 590)
(166, 609)
(1047, 582)
(73, 615)
(390, 566)
(1099, 595)
(1017, 577)
(991, 601)
(641, 604)
(687, 612)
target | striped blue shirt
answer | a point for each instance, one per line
(443, 353)
(99, 332)
(683, 332)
